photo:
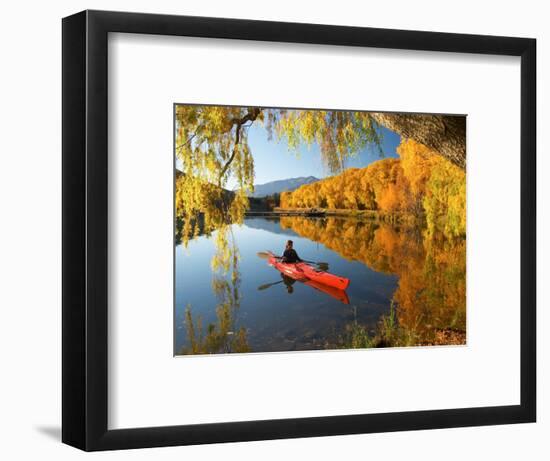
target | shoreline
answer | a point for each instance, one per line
(373, 215)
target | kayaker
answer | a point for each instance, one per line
(290, 255)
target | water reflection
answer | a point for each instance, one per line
(430, 301)
(221, 336)
(407, 288)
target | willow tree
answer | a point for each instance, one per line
(212, 146)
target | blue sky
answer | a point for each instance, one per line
(273, 160)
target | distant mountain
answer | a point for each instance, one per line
(282, 185)
(273, 187)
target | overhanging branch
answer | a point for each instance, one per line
(251, 116)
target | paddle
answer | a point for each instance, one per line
(267, 285)
(321, 265)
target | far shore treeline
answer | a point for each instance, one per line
(418, 184)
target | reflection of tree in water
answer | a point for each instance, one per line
(430, 300)
(223, 335)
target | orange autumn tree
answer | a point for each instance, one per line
(419, 183)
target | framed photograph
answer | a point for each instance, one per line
(279, 230)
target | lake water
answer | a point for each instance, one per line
(225, 311)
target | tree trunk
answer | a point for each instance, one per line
(445, 134)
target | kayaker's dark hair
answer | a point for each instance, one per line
(290, 242)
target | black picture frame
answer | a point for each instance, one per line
(85, 219)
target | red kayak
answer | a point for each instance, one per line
(304, 272)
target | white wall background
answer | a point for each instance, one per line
(30, 242)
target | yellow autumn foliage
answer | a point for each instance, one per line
(420, 182)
